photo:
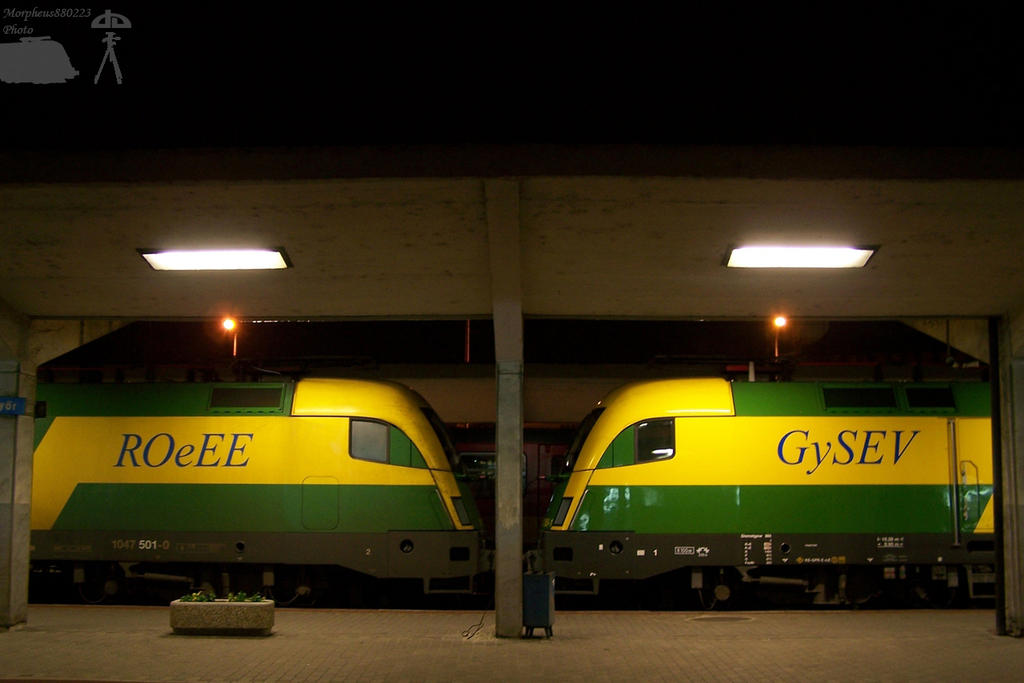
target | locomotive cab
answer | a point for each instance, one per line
(835, 492)
(318, 485)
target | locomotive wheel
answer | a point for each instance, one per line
(100, 583)
(862, 585)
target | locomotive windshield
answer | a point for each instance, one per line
(446, 441)
(581, 437)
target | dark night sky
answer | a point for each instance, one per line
(226, 74)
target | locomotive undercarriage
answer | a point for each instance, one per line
(733, 570)
(336, 569)
(288, 585)
(705, 588)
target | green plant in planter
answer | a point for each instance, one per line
(241, 596)
(207, 596)
(239, 613)
(198, 596)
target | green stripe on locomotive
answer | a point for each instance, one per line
(960, 399)
(780, 509)
(154, 400)
(253, 507)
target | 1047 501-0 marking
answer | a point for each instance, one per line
(140, 544)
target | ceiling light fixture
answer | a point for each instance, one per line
(799, 257)
(216, 259)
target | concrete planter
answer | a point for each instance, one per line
(223, 618)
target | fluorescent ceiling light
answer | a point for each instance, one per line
(799, 257)
(216, 259)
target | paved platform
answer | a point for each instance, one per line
(94, 643)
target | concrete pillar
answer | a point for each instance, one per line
(16, 379)
(24, 344)
(1010, 482)
(502, 202)
(508, 583)
(16, 436)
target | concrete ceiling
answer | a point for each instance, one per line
(621, 233)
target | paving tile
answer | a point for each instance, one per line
(97, 643)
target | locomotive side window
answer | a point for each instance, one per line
(578, 440)
(446, 441)
(644, 441)
(245, 397)
(930, 397)
(382, 442)
(853, 398)
(369, 440)
(655, 440)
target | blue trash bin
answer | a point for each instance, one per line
(538, 602)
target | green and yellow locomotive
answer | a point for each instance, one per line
(259, 486)
(835, 491)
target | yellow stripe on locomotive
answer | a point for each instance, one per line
(312, 446)
(713, 446)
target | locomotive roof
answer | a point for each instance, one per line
(352, 397)
(305, 397)
(712, 396)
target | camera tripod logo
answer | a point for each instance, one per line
(112, 23)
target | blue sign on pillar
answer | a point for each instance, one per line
(12, 405)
